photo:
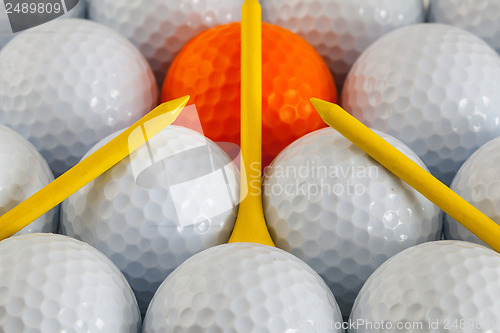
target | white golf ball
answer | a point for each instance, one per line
(478, 182)
(23, 172)
(176, 196)
(161, 28)
(341, 30)
(333, 206)
(481, 17)
(6, 34)
(69, 83)
(243, 287)
(53, 283)
(435, 87)
(445, 286)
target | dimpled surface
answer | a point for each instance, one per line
(243, 287)
(435, 87)
(160, 28)
(334, 207)
(341, 30)
(63, 87)
(208, 69)
(478, 182)
(147, 218)
(53, 283)
(481, 17)
(23, 171)
(79, 11)
(445, 286)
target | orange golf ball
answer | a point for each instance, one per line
(208, 69)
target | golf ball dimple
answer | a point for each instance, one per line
(54, 283)
(23, 172)
(243, 287)
(68, 83)
(435, 87)
(333, 206)
(478, 182)
(341, 30)
(161, 28)
(445, 286)
(481, 17)
(176, 196)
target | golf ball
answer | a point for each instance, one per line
(176, 196)
(68, 83)
(333, 206)
(208, 69)
(161, 28)
(478, 182)
(481, 17)
(445, 286)
(53, 283)
(341, 30)
(435, 87)
(23, 172)
(243, 287)
(6, 34)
